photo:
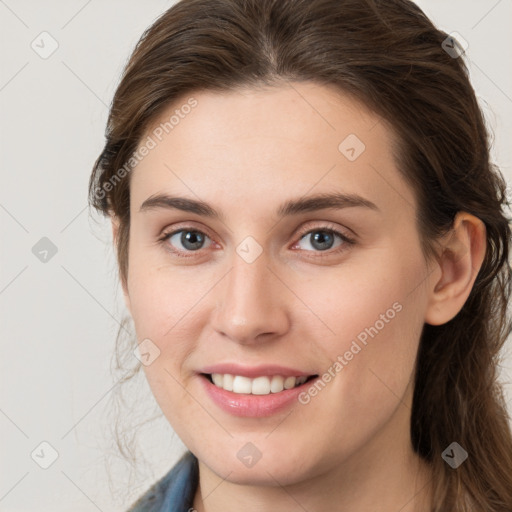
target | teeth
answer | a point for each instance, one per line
(218, 379)
(289, 382)
(242, 384)
(227, 382)
(257, 386)
(277, 384)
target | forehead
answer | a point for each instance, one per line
(266, 143)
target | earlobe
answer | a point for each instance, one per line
(461, 256)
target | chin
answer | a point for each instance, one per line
(270, 473)
(278, 463)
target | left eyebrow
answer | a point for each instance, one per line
(334, 200)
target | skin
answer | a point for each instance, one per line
(245, 153)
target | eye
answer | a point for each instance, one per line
(191, 240)
(323, 239)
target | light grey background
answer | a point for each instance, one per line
(59, 318)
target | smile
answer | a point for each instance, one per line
(262, 385)
(255, 396)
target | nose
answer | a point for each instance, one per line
(252, 303)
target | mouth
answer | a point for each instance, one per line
(260, 385)
(260, 390)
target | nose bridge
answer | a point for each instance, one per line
(250, 303)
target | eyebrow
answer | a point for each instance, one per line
(312, 203)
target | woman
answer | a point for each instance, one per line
(312, 246)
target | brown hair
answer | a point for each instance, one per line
(390, 56)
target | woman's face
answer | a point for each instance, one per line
(263, 284)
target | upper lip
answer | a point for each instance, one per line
(254, 371)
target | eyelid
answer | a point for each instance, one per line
(325, 226)
(183, 227)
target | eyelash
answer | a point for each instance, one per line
(327, 228)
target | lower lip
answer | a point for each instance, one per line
(240, 404)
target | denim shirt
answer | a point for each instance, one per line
(174, 492)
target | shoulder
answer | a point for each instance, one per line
(174, 492)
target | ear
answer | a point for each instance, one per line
(462, 255)
(115, 230)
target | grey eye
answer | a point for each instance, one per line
(190, 240)
(321, 240)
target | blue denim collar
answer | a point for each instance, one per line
(175, 491)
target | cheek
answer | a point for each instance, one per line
(374, 316)
(162, 297)
(164, 308)
(351, 298)
(370, 357)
